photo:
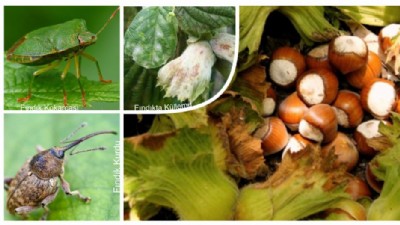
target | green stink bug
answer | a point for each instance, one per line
(51, 45)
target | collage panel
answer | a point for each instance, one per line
(307, 130)
(62, 167)
(332, 74)
(176, 57)
(61, 57)
(298, 121)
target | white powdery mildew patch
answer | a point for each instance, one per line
(156, 58)
(159, 32)
(137, 50)
(187, 76)
(223, 45)
(157, 47)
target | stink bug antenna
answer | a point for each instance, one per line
(108, 21)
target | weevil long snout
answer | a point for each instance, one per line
(73, 143)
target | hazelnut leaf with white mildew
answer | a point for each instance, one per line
(189, 75)
(140, 88)
(191, 49)
(151, 38)
(223, 45)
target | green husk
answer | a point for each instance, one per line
(252, 20)
(347, 210)
(386, 206)
(303, 185)
(237, 121)
(372, 15)
(178, 170)
(310, 23)
(386, 167)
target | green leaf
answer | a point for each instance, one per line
(91, 173)
(151, 38)
(47, 89)
(203, 21)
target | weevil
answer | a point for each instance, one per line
(36, 184)
(50, 45)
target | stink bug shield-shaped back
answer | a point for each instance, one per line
(50, 45)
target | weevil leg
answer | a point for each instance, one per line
(67, 190)
(64, 73)
(93, 59)
(49, 199)
(37, 73)
(7, 182)
(78, 76)
(25, 210)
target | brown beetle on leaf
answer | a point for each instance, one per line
(36, 183)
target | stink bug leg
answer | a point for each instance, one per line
(78, 76)
(64, 73)
(37, 73)
(97, 65)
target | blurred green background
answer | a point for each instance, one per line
(20, 20)
(92, 173)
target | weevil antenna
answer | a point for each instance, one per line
(108, 21)
(101, 148)
(65, 140)
(84, 138)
